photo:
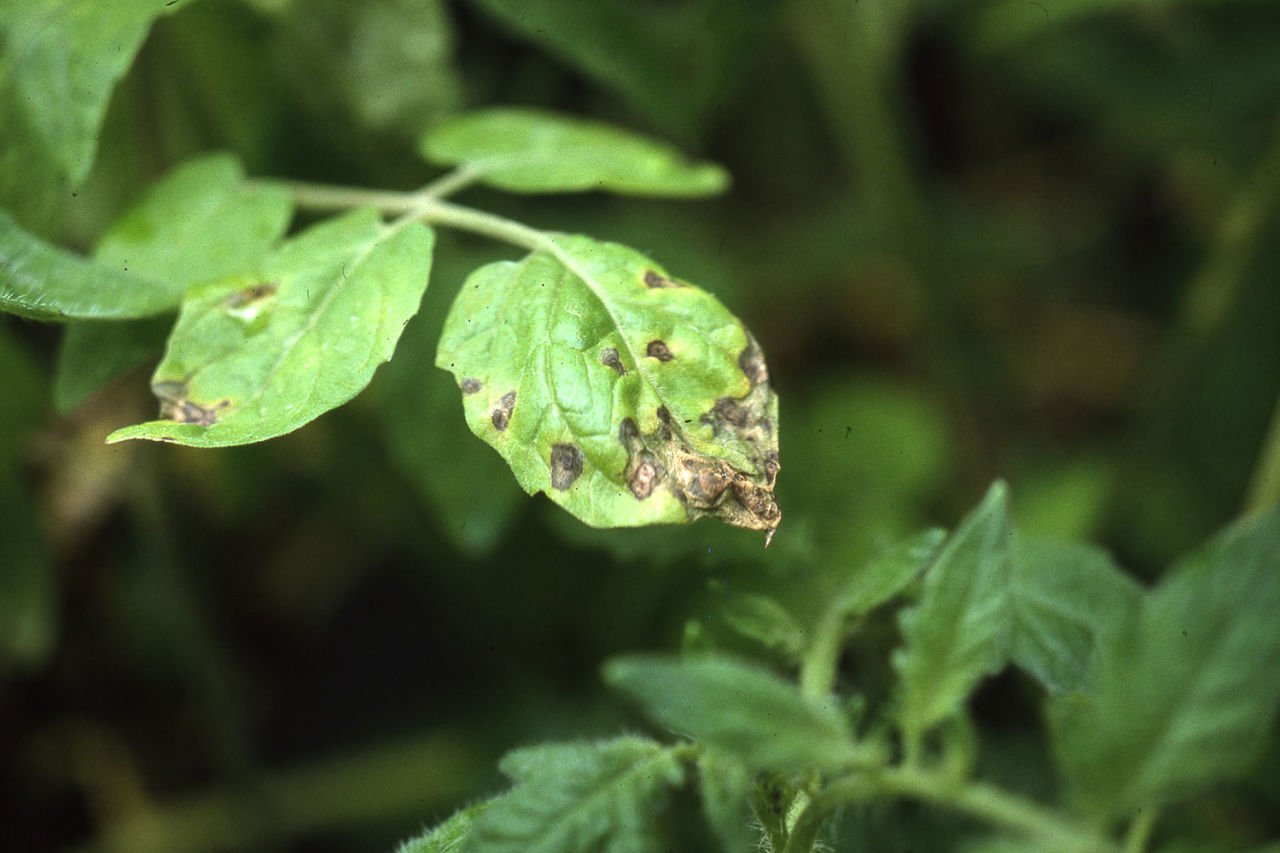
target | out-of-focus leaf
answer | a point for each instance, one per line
(27, 591)
(1065, 501)
(1067, 600)
(627, 396)
(386, 62)
(533, 151)
(1186, 695)
(199, 223)
(724, 785)
(736, 707)
(887, 574)
(448, 837)
(676, 63)
(463, 483)
(92, 354)
(765, 620)
(59, 62)
(579, 796)
(48, 283)
(252, 358)
(959, 630)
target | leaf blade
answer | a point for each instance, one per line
(252, 359)
(534, 151)
(579, 796)
(627, 397)
(958, 631)
(740, 709)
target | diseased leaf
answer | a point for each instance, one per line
(628, 397)
(958, 632)
(254, 358)
(724, 785)
(92, 354)
(202, 221)
(45, 282)
(532, 151)
(741, 709)
(59, 62)
(1186, 694)
(579, 796)
(448, 837)
(1067, 599)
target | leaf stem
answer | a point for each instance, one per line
(331, 197)
(1135, 840)
(818, 669)
(975, 799)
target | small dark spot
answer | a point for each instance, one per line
(654, 280)
(609, 358)
(848, 430)
(628, 431)
(771, 466)
(175, 406)
(501, 414)
(751, 360)
(731, 411)
(470, 385)
(250, 295)
(664, 418)
(659, 350)
(566, 465)
(645, 477)
(766, 425)
(168, 439)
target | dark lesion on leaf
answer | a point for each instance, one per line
(251, 295)
(751, 360)
(470, 385)
(609, 358)
(659, 350)
(566, 465)
(665, 426)
(655, 280)
(643, 469)
(501, 413)
(176, 407)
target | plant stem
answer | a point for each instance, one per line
(818, 669)
(329, 197)
(978, 800)
(1135, 841)
(1264, 491)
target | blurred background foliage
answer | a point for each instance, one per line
(977, 238)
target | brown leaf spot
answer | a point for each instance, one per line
(664, 421)
(644, 477)
(659, 350)
(470, 385)
(655, 280)
(501, 414)
(250, 295)
(174, 405)
(751, 360)
(609, 358)
(566, 465)
(628, 432)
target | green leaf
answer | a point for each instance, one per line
(255, 358)
(579, 796)
(448, 837)
(59, 62)
(1186, 694)
(201, 222)
(47, 283)
(532, 151)
(766, 621)
(92, 354)
(1067, 600)
(626, 396)
(887, 574)
(724, 785)
(745, 711)
(958, 632)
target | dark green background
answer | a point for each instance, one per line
(976, 239)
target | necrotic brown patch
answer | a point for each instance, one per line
(470, 385)
(664, 421)
(659, 350)
(654, 280)
(175, 406)
(644, 478)
(609, 358)
(250, 295)
(566, 465)
(501, 414)
(751, 360)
